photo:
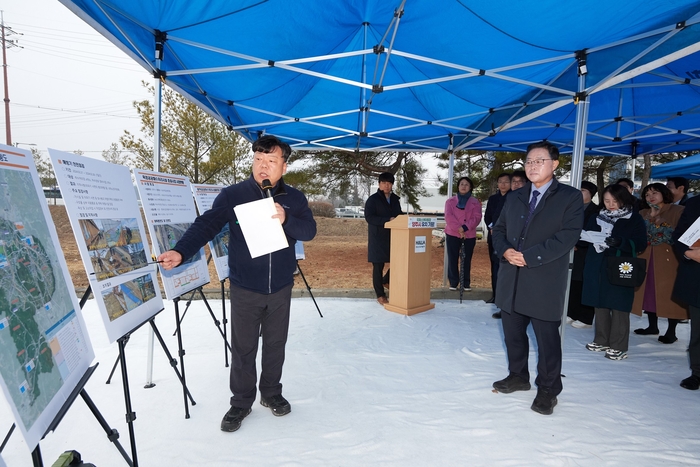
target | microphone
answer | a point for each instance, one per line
(267, 187)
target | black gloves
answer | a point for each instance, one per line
(613, 241)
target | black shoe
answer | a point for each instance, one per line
(491, 300)
(511, 384)
(233, 418)
(277, 404)
(646, 331)
(692, 382)
(496, 315)
(544, 403)
(667, 339)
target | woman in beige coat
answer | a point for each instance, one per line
(654, 295)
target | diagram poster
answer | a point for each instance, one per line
(169, 209)
(44, 346)
(104, 213)
(204, 196)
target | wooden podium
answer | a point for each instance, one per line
(409, 282)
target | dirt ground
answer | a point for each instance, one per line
(335, 259)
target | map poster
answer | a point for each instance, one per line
(169, 210)
(104, 213)
(44, 346)
(204, 196)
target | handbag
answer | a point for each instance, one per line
(626, 271)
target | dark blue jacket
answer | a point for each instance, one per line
(265, 274)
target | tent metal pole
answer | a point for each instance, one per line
(450, 178)
(576, 175)
(158, 100)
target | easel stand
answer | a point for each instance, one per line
(224, 321)
(227, 346)
(112, 433)
(309, 288)
(173, 362)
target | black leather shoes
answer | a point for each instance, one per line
(496, 315)
(647, 331)
(692, 382)
(511, 384)
(277, 404)
(544, 403)
(233, 418)
(491, 300)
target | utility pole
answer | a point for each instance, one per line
(6, 43)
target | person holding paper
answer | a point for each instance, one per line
(261, 286)
(687, 286)
(380, 208)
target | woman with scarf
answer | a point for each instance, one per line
(462, 216)
(654, 295)
(616, 228)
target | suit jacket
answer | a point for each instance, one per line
(377, 213)
(537, 290)
(687, 286)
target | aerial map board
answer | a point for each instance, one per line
(44, 346)
(169, 210)
(104, 213)
(204, 196)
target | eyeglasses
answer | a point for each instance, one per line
(536, 162)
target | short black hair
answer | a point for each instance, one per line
(268, 143)
(661, 188)
(386, 177)
(504, 174)
(591, 187)
(551, 149)
(621, 194)
(625, 181)
(519, 173)
(680, 182)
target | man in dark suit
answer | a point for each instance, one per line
(686, 288)
(679, 189)
(534, 235)
(380, 208)
(493, 209)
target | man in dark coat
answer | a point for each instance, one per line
(494, 205)
(380, 208)
(686, 289)
(582, 315)
(679, 189)
(534, 235)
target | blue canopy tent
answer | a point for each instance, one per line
(411, 75)
(688, 167)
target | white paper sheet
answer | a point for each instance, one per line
(691, 237)
(262, 233)
(592, 236)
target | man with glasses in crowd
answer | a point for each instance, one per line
(537, 228)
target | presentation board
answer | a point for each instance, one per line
(44, 346)
(169, 209)
(204, 196)
(104, 213)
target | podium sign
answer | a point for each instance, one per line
(410, 266)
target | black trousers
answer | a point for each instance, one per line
(379, 279)
(548, 350)
(251, 312)
(495, 260)
(453, 244)
(577, 310)
(694, 347)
